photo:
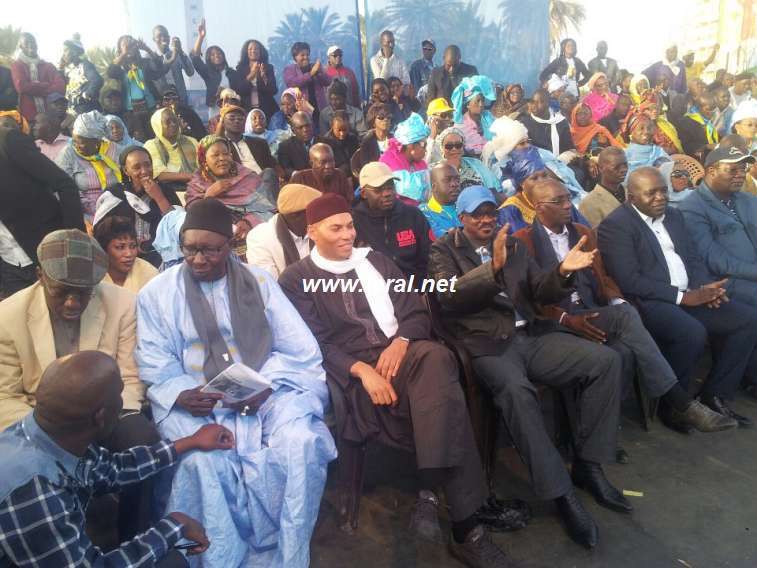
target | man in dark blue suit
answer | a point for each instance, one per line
(648, 252)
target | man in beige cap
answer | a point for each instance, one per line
(66, 311)
(283, 239)
(387, 225)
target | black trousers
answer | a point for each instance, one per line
(135, 501)
(588, 373)
(15, 278)
(682, 333)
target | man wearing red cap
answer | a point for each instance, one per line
(401, 388)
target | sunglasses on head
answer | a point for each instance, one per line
(453, 146)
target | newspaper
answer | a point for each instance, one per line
(236, 383)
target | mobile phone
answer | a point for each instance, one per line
(186, 545)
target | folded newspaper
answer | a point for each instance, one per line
(237, 382)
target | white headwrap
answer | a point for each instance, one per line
(507, 134)
(555, 84)
(746, 109)
(91, 124)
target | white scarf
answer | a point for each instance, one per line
(553, 121)
(673, 66)
(107, 202)
(32, 63)
(374, 285)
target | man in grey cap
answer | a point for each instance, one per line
(66, 311)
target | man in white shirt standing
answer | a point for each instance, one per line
(597, 311)
(283, 239)
(648, 252)
(386, 63)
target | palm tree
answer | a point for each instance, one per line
(8, 42)
(413, 21)
(101, 57)
(524, 31)
(564, 15)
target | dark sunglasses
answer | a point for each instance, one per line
(428, 48)
(453, 146)
(680, 174)
(383, 117)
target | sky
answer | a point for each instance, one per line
(635, 38)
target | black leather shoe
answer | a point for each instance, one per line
(589, 476)
(478, 551)
(673, 420)
(579, 524)
(424, 521)
(718, 405)
(497, 516)
(621, 456)
(704, 419)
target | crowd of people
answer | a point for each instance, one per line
(600, 227)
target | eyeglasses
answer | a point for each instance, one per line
(557, 201)
(428, 48)
(207, 252)
(382, 117)
(481, 215)
(453, 146)
(680, 174)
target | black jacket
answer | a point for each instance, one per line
(693, 137)
(260, 151)
(8, 94)
(475, 312)
(402, 234)
(36, 196)
(559, 67)
(634, 259)
(541, 134)
(212, 78)
(441, 83)
(293, 155)
(266, 91)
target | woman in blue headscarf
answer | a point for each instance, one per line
(526, 168)
(471, 116)
(405, 156)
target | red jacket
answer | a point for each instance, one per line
(50, 81)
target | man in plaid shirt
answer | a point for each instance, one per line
(51, 467)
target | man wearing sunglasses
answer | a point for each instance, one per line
(338, 71)
(420, 70)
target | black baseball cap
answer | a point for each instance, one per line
(730, 155)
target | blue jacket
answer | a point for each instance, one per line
(726, 243)
(634, 259)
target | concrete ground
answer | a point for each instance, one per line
(698, 509)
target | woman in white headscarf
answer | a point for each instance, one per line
(91, 160)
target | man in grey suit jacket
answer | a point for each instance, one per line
(603, 64)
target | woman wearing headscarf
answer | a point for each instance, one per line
(588, 136)
(291, 102)
(567, 66)
(666, 135)
(511, 102)
(174, 156)
(237, 187)
(91, 160)
(525, 169)
(744, 122)
(472, 171)
(256, 126)
(638, 132)
(471, 116)
(116, 131)
(214, 69)
(511, 135)
(679, 182)
(255, 79)
(638, 88)
(600, 100)
(118, 238)
(139, 198)
(405, 156)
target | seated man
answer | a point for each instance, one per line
(389, 226)
(722, 221)
(609, 193)
(261, 500)
(70, 309)
(343, 143)
(492, 311)
(696, 130)
(292, 154)
(337, 93)
(282, 240)
(323, 174)
(596, 309)
(52, 466)
(526, 169)
(402, 390)
(440, 210)
(649, 253)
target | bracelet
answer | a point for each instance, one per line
(562, 317)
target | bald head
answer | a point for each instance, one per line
(552, 203)
(445, 183)
(76, 388)
(302, 125)
(322, 161)
(648, 191)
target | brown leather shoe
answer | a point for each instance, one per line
(704, 418)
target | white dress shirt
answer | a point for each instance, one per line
(677, 269)
(264, 249)
(561, 246)
(248, 160)
(389, 67)
(10, 251)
